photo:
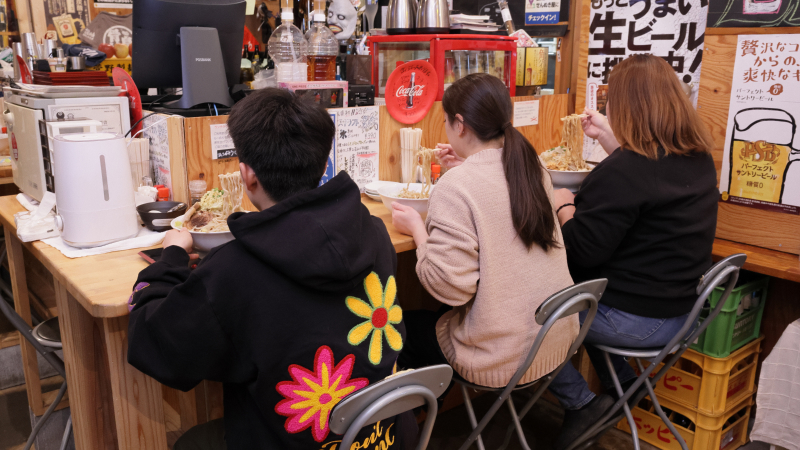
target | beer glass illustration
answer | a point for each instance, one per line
(761, 154)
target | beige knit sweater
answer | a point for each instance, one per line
(472, 238)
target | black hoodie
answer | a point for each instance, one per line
(289, 316)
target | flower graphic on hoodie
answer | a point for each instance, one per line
(381, 313)
(310, 396)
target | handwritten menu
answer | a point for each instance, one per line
(221, 142)
(526, 113)
(155, 130)
(356, 145)
(761, 158)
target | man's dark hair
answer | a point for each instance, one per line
(285, 138)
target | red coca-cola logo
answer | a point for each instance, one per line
(411, 90)
(416, 91)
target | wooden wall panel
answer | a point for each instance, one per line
(583, 56)
(543, 136)
(752, 226)
(195, 162)
(199, 164)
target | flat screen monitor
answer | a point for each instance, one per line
(158, 61)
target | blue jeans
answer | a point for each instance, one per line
(614, 328)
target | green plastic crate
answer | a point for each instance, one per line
(730, 332)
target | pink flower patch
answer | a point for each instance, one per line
(310, 396)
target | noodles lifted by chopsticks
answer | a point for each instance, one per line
(216, 205)
(423, 158)
(569, 155)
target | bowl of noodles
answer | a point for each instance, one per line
(411, 194)
(565, 162)
(207, 220)
(562, 173)
(415, 195)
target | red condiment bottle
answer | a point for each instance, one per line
(163, 194)
(436, 171)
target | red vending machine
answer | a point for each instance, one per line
(453, 56)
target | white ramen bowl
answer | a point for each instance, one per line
(568, 179)
(204, 242)
(389, 195)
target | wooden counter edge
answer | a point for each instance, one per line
(764, 261)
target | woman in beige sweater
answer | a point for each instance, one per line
(490, 247)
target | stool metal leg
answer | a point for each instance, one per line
(659, 411)
(625, 407)
(67, 432)
(472, 420)
(515, 419)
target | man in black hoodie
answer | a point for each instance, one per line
(294, 314)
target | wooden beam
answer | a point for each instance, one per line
(138, 399)
(19, 286)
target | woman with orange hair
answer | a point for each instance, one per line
(644, 218)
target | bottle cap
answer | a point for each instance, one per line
(318, 17)
(159, 186)
(163, 192)
(436, 168)
(287, 15)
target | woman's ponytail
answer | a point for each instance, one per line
(484, 103)
(531, 210)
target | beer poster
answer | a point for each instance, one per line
(761, 158)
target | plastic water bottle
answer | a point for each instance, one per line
(288, 48)
(323, 48)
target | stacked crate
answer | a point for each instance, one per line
(709, 393)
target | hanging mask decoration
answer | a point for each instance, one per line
(342, 18)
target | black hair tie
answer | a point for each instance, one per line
(505, 127)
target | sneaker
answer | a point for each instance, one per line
(577, 421)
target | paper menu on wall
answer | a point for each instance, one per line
(526, 113)
(761, 157)
(221, 142)
(155, 130)
(356, 144)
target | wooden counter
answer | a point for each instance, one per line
(103, 283)
(761, 260)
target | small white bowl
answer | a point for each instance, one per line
(569, 179)
(204, 242)
(389, 196)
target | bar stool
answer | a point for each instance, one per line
(562, 304)
(388, 398)
(724, 273)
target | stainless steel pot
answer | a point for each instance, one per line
(402, 17)
(433, 17)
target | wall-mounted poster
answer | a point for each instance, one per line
(671, 30)
(754, 13)
(542, 12)
(66, 19)
(761, 159)
(356, 145)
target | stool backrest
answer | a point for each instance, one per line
(574, 299)
(389, 397)
(723, 273)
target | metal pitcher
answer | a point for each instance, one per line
(433, 17)
(402, 17)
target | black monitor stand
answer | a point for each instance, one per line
(203, 70)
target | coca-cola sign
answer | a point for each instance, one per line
(411, 90)
(416, 91)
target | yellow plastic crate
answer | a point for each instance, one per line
(110, 63)
(727, 431)
(710, 385)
